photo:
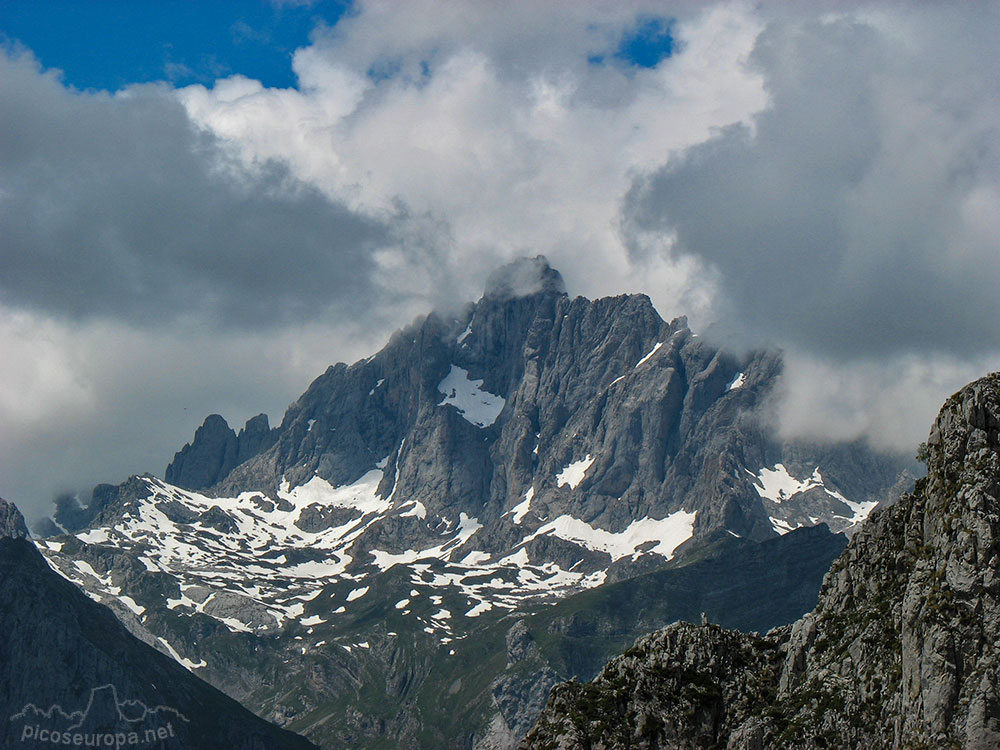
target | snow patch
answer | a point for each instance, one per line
(737, 382)
(357, 593)
(483, 606)
(477, 406)
(190, 665)
(860, 510)
(129, 602)
(777, 484)
(95, 536)
(85, 567)
(668, 533)
(652, 351)
(782, 527)
(418, 510)
(361, 495)
(574, 473)
(522, 507)
(467, 527)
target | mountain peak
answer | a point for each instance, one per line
(11, 521)
(216, 450)
(524, 277)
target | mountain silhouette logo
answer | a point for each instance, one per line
(106, 721)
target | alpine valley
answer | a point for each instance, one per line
(500, 499)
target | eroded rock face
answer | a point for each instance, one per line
(216, 450)
(902, 650)
(681, 687)
(11, 522)
(526, 447)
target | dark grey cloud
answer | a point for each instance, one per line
(858, 217)
(116, 206)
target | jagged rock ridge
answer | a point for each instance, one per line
(529, 447)
(216, 450)
(902, 650)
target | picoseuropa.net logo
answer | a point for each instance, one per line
(106, 722)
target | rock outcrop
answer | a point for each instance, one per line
(471, 413)
(12, 524)
(216, 450)
(901, 651)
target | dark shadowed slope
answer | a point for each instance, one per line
(68, 666)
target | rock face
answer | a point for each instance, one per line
(68, 666)
(216, 450)
(528, 388)
(480, 466)
(682, 687)
(902, 649)
(726, 585)
(11, 522)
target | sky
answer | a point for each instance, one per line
(203, 205)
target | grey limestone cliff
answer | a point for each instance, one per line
(662, 420)
(901, 651)
(216, 450)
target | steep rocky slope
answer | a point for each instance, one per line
(902, 649)
(68, 667)
(481, 466)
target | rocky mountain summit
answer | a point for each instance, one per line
(68, 667)
(216, 450)
(412, 506)
(901, 651)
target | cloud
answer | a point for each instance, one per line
(495, 124)
(857, 216)
(891, 401)
(116, 206)
(83, 402)
(854, 220)
(167, 254)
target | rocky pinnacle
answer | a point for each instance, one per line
(11, 521)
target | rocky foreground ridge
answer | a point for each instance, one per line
(901, 651)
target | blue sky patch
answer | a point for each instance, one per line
(648, 43)
(112, 43)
